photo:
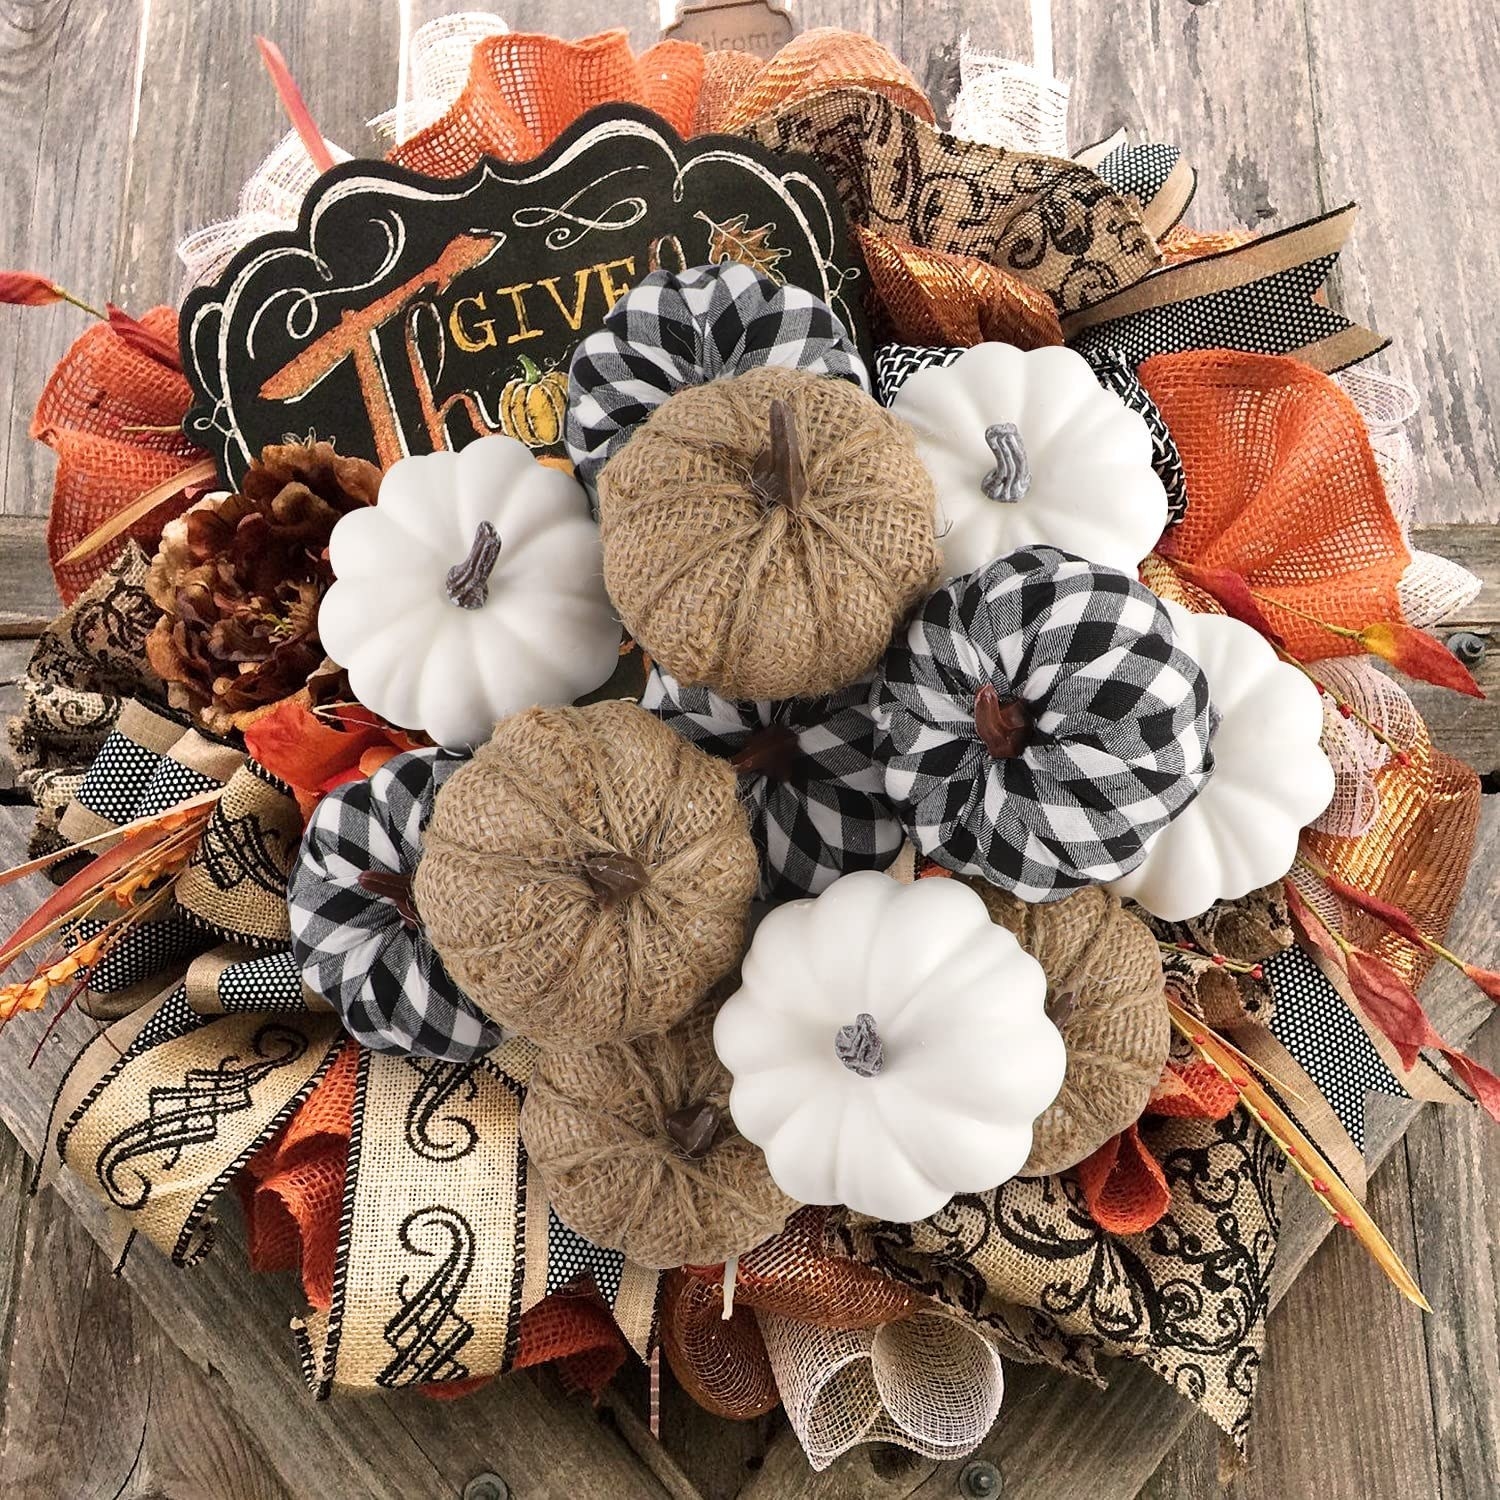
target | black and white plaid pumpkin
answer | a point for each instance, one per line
(355, 934)
(808, 779)
(1039, 724)
(680, 329)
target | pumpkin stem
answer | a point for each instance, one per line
(1006, 727)
(1009, 480)
(778, 474)
(392, 886)
(469, 581)
(614, 877)
(693, 1127)
(858, 1046)
(768, 752)
(531, 371)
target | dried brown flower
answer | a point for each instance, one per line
(239, 577)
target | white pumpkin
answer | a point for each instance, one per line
(1270, 778)
(1026, 448)
(446, 627)
(889, 1046)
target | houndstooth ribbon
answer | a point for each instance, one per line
(675, 330)
(1122, 724)
(355, 949)
(811, 785)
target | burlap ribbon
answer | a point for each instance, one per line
(1053, 224)
(159, 1113)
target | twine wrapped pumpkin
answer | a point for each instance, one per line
(587, 875)
(637, 1152)
(764, 535)
(1106, 995)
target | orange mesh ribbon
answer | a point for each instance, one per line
(525, 89)
(113, 415)
(1415, 855)
(791, 1275)
(1283, 493)
(720, 1362)
(934, 298)
(292, 1192)
(1180, 243)
(741, 88)
(1123, 1183)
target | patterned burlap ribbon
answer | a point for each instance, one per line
(1188, 1297)
(1052, 223)
(160, 1112)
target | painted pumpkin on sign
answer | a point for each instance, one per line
(532, 406)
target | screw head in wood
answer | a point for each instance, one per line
(486, 1486)
(1466, 646)
(980, 1480)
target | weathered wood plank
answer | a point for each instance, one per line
(1424, 263)
(65, 102)
(14, 1173)
(28, 598)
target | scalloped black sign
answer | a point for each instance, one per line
(411, 313)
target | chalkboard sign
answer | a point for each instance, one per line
(409, 313)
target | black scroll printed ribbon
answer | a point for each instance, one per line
(1258, 297)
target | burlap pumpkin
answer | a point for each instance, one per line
(1105, 994)
(764, 535)
(637, 1152)
(588, 874)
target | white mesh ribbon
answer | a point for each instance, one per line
(437, 67)
(1355, 753)
(1002, 102)
(1432, 587)
(270, 200)
(931, 1383)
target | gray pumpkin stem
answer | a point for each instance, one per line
(859, 1047)
(469, 581)
(1009, 480)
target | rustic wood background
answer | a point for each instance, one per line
(128, 122)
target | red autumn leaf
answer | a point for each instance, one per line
(1390, 1003)
(1487, 979)
(1231, 590)
(1481, 1082)
(1419, 655)
(1397, 920)
(1310, 926)
(294, 105)
(311, 755)
(141, 339)
(27, 289)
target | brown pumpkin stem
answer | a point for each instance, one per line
(1005, 725)
(469, 581)
(778, 475)
(693, 1127)
(614, 877)
(392, 886)
(768, 752)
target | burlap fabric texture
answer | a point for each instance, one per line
(762, 598)
(595, 1126)
(504, 892)
(1105, 995)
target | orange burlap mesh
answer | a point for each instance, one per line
(524, 89)
(824, 58)
(293, 1187)
(1283, 490)
(790, 1275)
(1123, 1184)
(1415, 854)
(720, 1362)
(292, 1191)
(92, 413)
(934, 298)
(1182, 244)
